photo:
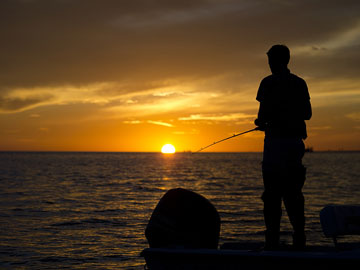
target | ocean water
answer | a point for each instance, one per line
(90, 210)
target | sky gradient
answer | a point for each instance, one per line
(135, 75)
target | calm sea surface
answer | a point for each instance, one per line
(90, 210)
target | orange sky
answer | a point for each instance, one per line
(135, 75)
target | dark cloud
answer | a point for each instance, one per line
(79, 42)
(15, 104)
(340, 63)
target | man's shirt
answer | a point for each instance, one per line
(284, 105)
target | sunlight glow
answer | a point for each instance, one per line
(168, 149)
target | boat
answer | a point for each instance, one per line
(336, 220)
(231, 259)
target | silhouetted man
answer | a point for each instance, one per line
(284, 105)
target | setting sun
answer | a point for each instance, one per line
(168, 149)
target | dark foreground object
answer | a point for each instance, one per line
(188, 259)
(184, 219)
(336, 220)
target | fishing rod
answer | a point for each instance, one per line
(235, 135)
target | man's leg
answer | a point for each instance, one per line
(294, 204)
(272, 210)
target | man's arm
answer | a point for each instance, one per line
(307, 110)
(260, 121)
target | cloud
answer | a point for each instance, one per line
(190, 132)
(84, 42)
(354, 116)
(16, 104)
(147, 57)
(114, 98)
(132, 122)
(21, 99)
(177, 99)
(223, 117)
(160, 123)
(44, 129)
(347, 38)
(202, 10)
(320, 128)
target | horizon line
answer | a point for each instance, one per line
(178, 152)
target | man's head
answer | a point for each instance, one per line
(279, 57)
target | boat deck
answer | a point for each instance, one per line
(254, 257)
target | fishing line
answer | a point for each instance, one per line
(235, 135)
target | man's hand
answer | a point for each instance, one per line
(261, 125)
